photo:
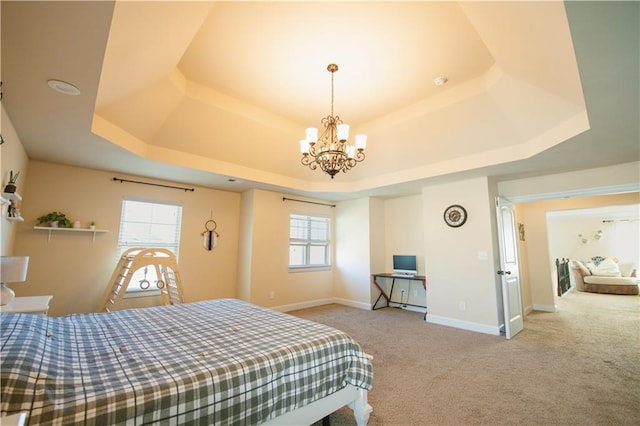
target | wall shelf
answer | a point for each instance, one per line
(10, 199)
(81, 230)
(10, 196)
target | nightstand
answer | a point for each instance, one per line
(28, 305)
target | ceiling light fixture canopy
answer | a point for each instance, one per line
(330, 151)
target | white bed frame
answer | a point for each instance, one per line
(352, 396)
(355, 398)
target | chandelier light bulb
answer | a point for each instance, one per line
(343, 132)
(312, 135)
(351, 151)
(361, 141)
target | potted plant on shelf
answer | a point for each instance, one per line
(55, 220)
(92, 225)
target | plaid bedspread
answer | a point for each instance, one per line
(214, 362)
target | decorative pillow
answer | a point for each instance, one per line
(607, 268)
(626, 268)
(584, 271)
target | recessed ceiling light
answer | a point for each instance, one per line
(440, 81)
(63, 87)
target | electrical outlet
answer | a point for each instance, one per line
(272, 294)
(463, 306)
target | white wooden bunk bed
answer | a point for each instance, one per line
(216, 362)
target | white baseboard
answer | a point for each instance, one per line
(545, 308)
(320, 302)
(434, 319)
(303, 305)
(528, 309)
(352, 303)
(465, 325)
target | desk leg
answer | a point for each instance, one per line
(382, 294)
(393, 283)
(424, 285)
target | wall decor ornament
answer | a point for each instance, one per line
(210, 235)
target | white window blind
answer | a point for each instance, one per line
(309, 241)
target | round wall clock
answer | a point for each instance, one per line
(455, 216)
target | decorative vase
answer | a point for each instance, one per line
(53, 224)
(10, 188)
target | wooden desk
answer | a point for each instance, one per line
(394, 277)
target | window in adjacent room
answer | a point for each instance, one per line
(309, 241)
(148, 225)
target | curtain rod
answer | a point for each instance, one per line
(308, 202)
(154, 184)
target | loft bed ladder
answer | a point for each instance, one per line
(134, 259)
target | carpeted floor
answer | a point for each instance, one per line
(579, 366)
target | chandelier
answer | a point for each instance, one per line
(330, 151)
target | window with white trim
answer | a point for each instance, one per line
(148, 225)
(309, 241)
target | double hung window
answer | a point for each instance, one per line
(309, 241)
(148, 225)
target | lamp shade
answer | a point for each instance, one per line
(13, 269)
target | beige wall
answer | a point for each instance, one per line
(76, 270)
(352, 269)
(461, 287)
(245, 253)
(404, 234)
(541, 266)
(12, 157)
(404, 230)
(377, 242)
(267, 251)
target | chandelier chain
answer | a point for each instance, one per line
(332, 73)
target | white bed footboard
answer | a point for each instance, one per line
(352, 396)
(361, 408)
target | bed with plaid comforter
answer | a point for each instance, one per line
(216, 362)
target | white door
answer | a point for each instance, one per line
(509, 271)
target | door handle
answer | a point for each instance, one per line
(504, 272)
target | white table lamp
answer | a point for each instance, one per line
(13, 269)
